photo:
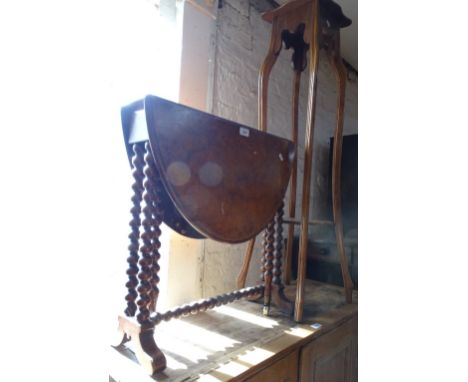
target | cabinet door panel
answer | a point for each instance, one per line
(331, 357)
(284, 370)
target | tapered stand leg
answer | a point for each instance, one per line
(263, 80)
(245, 264)
(340, 72)
(293, 183)
(304, 236)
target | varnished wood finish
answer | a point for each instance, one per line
(271, 268)
(135, 131)
(141, 330)
(149, 235)
(242, 276)
(340, 73)
(285, 370)
(263, 81)
(291, 19)
(331, 14)
(220, 164)
(293, 182)
(331, 358)
(267, 264)
(277, 287)
(289, 16)
(278, 247)
(134, 236)
(287, 9)
(264, 76)
(309, 136)
(227, 180)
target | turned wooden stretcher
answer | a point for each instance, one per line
(205, 177)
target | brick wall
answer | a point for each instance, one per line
(242, 40)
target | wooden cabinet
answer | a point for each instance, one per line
(284, 370)
(331, 357)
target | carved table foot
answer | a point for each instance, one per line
(150, 357)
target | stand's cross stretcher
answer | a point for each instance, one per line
(205, 177)
(305, 26)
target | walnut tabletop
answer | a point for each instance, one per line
(235, 341)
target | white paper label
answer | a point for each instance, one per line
(316, 326)
(244, 132)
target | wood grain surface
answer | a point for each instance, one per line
(226, 179)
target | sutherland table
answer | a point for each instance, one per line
(237, 343)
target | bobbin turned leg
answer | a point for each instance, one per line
(340, 73)
(267, 264)
(149, 354)
(134, 236)
(277, 289)
(141, 329)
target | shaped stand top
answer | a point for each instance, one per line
(224, 180)
(331, 13)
